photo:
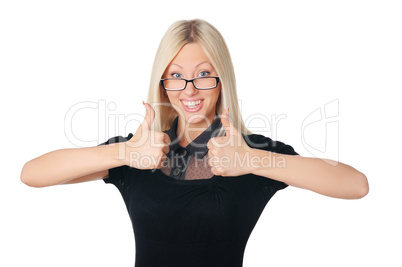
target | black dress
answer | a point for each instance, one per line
(194, 222)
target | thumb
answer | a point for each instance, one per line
(227, 124)
(149, 117)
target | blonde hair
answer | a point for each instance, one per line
(199, 31)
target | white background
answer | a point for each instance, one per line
(291, 58)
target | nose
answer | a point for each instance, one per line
(190, 89)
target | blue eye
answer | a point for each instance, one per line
(206, 73)
(174, 75)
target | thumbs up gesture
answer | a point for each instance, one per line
(227, 155)
(147, 149)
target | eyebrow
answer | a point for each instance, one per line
(195, 66)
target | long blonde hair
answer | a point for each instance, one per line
(180, 33)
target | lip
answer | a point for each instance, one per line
(188, 99)
(192, 109)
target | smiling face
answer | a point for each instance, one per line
(193, 106)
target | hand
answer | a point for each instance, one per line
(147, 149)
(228, 155)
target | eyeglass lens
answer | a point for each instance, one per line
(204, 83)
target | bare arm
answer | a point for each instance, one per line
(76, 165)
(70, 165)
(326, 177)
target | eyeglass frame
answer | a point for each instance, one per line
(187, 81)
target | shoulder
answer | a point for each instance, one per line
(259, 141)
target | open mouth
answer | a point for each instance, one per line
(191, 104)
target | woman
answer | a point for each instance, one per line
(196, 184)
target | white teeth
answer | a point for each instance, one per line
(192, 104)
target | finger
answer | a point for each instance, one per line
(209, 162)
(165, 149)
(161, 162)
(149, 117)
(212, 160)
(227, 124)
(157, 160)
(166, 139)
(209, 143)
(159, 165)
(216, 142)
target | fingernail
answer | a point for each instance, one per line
(143, 102)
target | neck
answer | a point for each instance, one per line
(190, 131)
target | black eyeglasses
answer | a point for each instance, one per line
(200, 83)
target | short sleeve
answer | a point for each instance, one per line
(117, 175)
(265, 143)
(262, 142)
